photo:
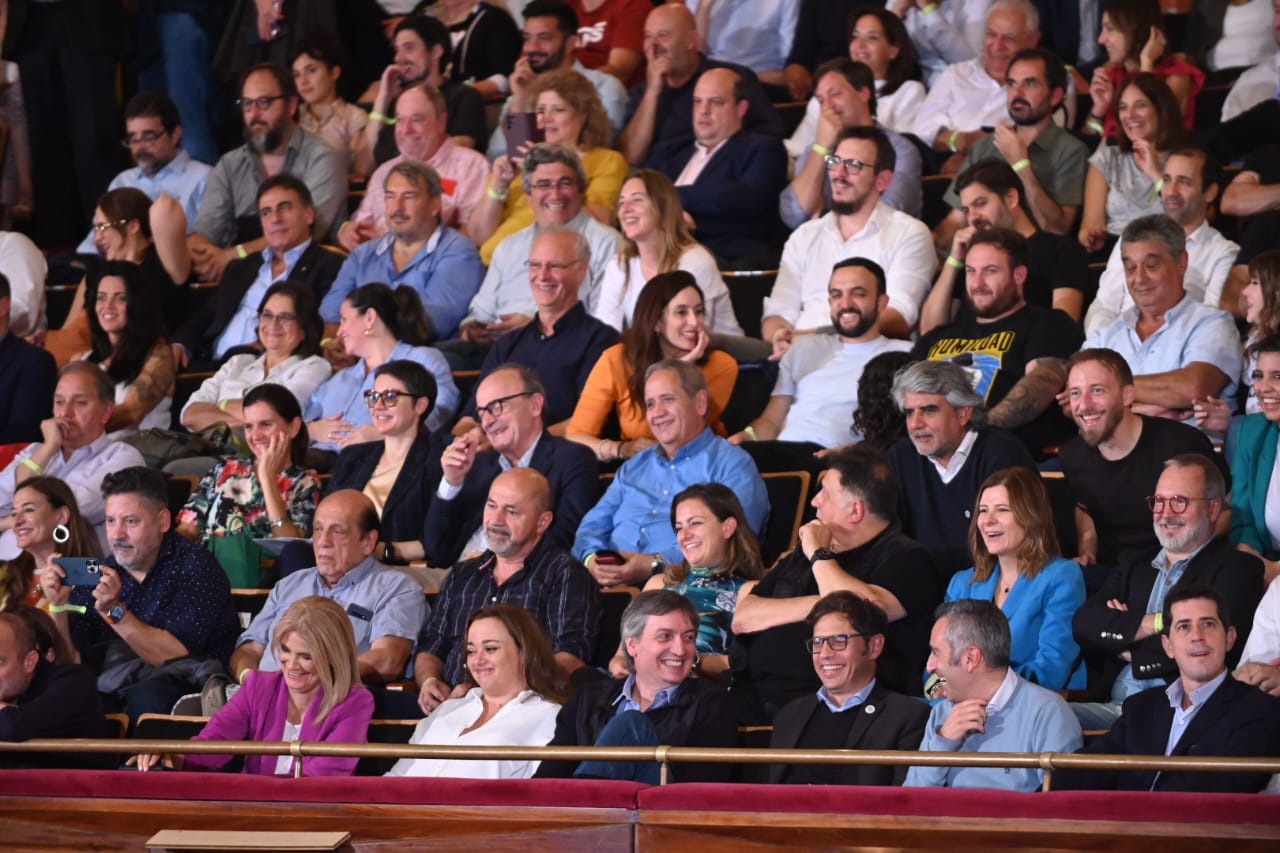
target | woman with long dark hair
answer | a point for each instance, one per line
(46, 521)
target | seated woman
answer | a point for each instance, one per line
(1121, 182)
(670, 322)
(130, 344)
(46, 523)
(316, 68)
(656, 239)
(315, 695)
(1013, 540)
(721, 554)
(569, 113)
(1255, 472)
(513, 701)
(398, 472)
(289, 330)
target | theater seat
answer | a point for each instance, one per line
(385, 731)
(788, 497)
(747, 290)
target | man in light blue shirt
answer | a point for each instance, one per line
(152, 135)
(418, 250)
(633, 517)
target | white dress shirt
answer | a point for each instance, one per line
(964, 97)
(1259, 83)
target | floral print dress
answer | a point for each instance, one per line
(228, 500)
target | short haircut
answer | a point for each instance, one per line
(994, 174)
(432, 94)
(432, 32)
(416, 378)
(528, 378)
(1013, 244)
(1189, 592)
(877, 271)
(856, 74)
(1024, 6)
(147, 483)
(548, 152)
(282, 75)
(154, 105)
(1159, 228)
(691, 377)
(1210, 167)
(943, 378)
(886, 157)
(420, 174)
(581, 248)
(1215, 485)
(865, 617)
(864, 472)
(103, 387)
(23, 634)
(1108, 358)
(1055, 72)
(566, 17)
(654, 602)
(286, 181)
(975, 622)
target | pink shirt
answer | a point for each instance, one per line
(463, 174)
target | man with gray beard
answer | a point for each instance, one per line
(1119, 627)
(227, 226)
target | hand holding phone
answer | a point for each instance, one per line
(80, 571)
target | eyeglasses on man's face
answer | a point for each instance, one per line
(835, 642)
(851, 165)
(1177, 503)
(262, 102)
(145, 137)
(495, 407)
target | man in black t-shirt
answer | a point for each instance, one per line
(1114, 463)
(1014, 352)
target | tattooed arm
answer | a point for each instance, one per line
(1033, 393)
(152, 384)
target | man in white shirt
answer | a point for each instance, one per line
(943, 33)
(859, 224)
(1192, 179)
(24, 265)
(1259, 83)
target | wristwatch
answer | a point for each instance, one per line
(822, 554)
(116, 614)
(389, 553)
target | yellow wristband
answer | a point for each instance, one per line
(222, 405)
(951, 141)
(928, 9)
(953, 262)
(818, 149)
(1021, 164)
(1095, 125)
(429, 679)
(241, 251)
(243, 673)
(387, 120)
(67, 608)
(324, 342)
(34, 466)
(494, 194)
(751, 431)
(1160, 622)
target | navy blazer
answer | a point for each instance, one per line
(1238, 720)
(28, 376)
(410, 494)
(886, 720)
(316, 267)
(575, 487)
(734, 201)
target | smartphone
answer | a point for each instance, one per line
(519, 128)
(81, 571)
(609, 557)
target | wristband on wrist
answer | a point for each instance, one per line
(387, 120)
(1095, 125)
(928, 9)
(241, 251)
(34, 466)
(494, 194)
(429, 679)
(751, 431)
(222, 405)
(1156, 189)
(1159, 626)
(1021, 164)
(243, 673)
(67, 608)
(820, 150)
(952, 261)
(951, 141)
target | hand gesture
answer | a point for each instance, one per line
(502, 174)
(433, 692)
(51, 433)
(618, 667)
(390, 85)
(358, 231)
(659, 68)
(782, 341)
(359, 435)
(830, 123)
(1147, 159)
(1212, 414)
(1010, 144)
(966, 718)
(1153, 49)
(272, 460)
(814, 535)
(55, 591)
(457, 459)
(106, 594)
(330, 430)
(960, 243)
(520, 77)
(699, 348)
(1102, 90)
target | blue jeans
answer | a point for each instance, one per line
(629, 728)
(184, 70)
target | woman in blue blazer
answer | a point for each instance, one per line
(1255, 520)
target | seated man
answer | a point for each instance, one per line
(386, 605)
(1204, 712)
(161, 619)
(852, 709)
(948, 452)
(510, 402)
(43, 699)
(859, 224)
(419, 250)
(987, 707)
(1118, 627)
(1014, 352)
(230, 318)
(817, 385)
(658, 703)
(853, 545)
(1180, 349)
(520, 565)
(28, 377)
(75, 449)
(753, 33)
(1255, 85)
(633, 517)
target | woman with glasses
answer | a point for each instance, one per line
(289, 330)
(398, 471)
(1255, 474)
(1014, 543)
(569, 112)
(670, 322)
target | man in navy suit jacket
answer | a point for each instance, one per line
(509, 404)
(728, 179)
(1204, 712)
(28, 376)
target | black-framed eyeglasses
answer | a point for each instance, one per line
(835, 642)
(284, 318)
(852, 166)
(562, 184)
(388, 398)
(147, 136)
(1177, 503)
(99, 227)
(262, 102)
(495, 407)
(553, 267)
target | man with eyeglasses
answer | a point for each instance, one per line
(153, 133)
(1119, 627)
(512, 433)
(859, 224)
(227, 225)
(418, 250)
(854, 545)
(230, 319)
(852, 709)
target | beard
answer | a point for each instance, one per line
(859, 328)
(995, 308)
(264, 141)
(1180, 540)
(1026, 117)
(847, 208)
(1097, 435)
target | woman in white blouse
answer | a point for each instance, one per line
(513, 701)
(656, 239)
(289, 330)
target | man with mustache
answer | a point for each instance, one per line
(227, 226)
(1015, 351)
(520, 566)
(1119, 626)
(817, 386)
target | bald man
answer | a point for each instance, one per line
(519, 567)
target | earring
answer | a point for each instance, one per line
(61, 534)
(368, 332)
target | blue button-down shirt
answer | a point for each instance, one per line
(243, 327)
(635, 512)
(446, 273)
(624, 702)
(1182, 717)
(852, 702)
(182, 178)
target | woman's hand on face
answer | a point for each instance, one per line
(1153, 49)
(273, 459)
(699, 348)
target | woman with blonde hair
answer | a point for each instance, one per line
(1015, 547)
(315, 695)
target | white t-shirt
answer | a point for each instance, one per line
(618, 292)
